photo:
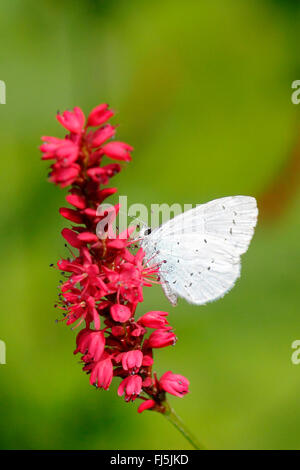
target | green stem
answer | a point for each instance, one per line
(178, 423)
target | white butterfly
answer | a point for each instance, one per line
(199, 250)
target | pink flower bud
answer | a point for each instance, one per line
(61, 149)
(102, 373)
(146, 405)
(71, 237)
(175, 384)
(148, 382)
(90, 342)
(117, 331)
(147, 360)
(76, 201)
(117, 244)
(131, 386)
(154, 319)
(71, 214)
(161, 339)
(64, 175)
(132, 359)
(72, 120)
(102, 134)
(102, 174)
(120, 313)
(88, 237)
(117, 150)
(99, 115)
(104, 193)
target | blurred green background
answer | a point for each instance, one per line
(203, 92)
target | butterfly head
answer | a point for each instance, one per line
(144, 233)
(143, 230)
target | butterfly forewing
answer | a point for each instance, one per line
(199, 250)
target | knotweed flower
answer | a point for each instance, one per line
(174, 383)
(105, 275)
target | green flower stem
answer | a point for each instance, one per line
(171, 416)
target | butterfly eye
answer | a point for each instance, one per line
(148, 231)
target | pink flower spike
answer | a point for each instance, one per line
(117, 151)
(99, 115)
(120, 313)
(131, 386)
(105, 273)
(72, 120)
(132, 359)
(146, 405)
(175, 384)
